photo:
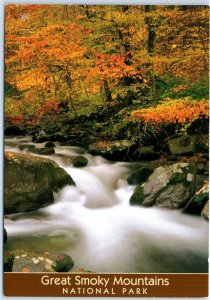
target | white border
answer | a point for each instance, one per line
(106, 2)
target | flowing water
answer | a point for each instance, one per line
(94, 223)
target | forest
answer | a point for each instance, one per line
(113, 72)
(106, 164)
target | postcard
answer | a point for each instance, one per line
(106, 139)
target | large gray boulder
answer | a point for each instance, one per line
(168, 187)
(113, 150)
(29, 182)
(182, 145)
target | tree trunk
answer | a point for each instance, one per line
(150, 29)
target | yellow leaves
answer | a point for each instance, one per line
(173, 111)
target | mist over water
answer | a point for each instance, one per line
(94, 223)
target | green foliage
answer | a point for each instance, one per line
(10, 90)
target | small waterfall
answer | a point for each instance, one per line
(94, 223)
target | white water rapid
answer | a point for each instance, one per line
(94, 223)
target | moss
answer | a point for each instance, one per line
(80, 161)
(138, 196)
(63, 263)
(140, 175)
(179, 178)
(201, 198)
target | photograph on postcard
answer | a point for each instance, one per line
(106, 139)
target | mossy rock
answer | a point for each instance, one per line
(26, 146)
(113, 150)
(138, 196)
(80, 161)
(140, 175)
(42, 151)
(24, 260)
(167, 187)
(50, 145)
(63, 263)
(197, 203)
(182, 145)
(146, 153)
(29, 182)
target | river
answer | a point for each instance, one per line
(94, 223)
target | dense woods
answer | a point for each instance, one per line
(99, 66)
(111, 107)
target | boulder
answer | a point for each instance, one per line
(205, 211)
(29, 182)
(26, 146)
(182, 145)
(42, 151)
(196, 204)
(76, 161)
(168, 187)
(35, 261)
(80, 161)
(146, 153)
(140, 175)
(50, 145)
(113, 150)
(202, 144)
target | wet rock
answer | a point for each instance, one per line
(5, 235)
(146, 153)
(197, 202)
(138, 196)
(205, 211)
(140, 175)
(42, 151)
(50, 145)
(168, 187)
(30, 181)
(80, 161)
(113, 150)
(34, 261)
(202, 144)
(26, 146)
(182, 145)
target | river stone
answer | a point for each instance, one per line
(113, 150)
(42, 151)
(80, 161)
(146, 153)
(29, 182)
(182, 145)
(37, 261)
(202, 143)
(26, 146)
(50, 145)
(167, 187)
(140, 175)
(205, 211)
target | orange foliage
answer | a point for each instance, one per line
(173, 111)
